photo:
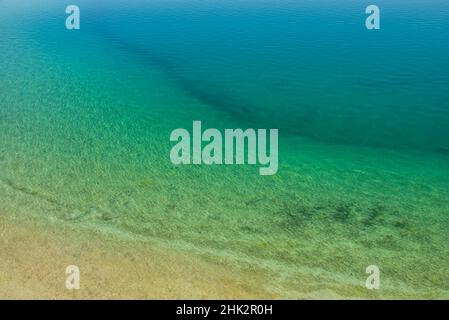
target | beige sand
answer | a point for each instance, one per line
(35, 252)
(34, 257)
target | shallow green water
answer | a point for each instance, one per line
(85, 120)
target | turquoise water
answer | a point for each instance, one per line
(85, 120)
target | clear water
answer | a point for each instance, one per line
(85, 120)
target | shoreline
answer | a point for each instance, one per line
(35, 251)
(36, 248)
(34, 258)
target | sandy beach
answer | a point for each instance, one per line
(35, 252)
(33, 260)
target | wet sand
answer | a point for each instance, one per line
(34, 257)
